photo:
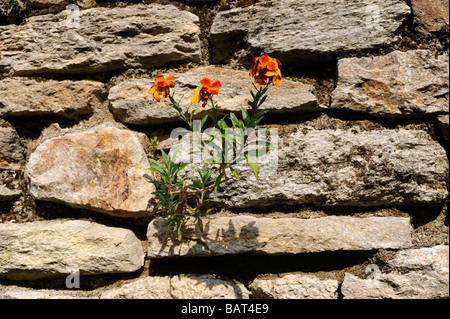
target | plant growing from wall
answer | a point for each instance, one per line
(8, 7)
(180, 197)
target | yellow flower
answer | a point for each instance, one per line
(161, 87)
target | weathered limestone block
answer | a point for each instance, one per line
(247, 234)
(99, 40)
(151, 287)
(432, 258)
(178, 287)
(206, 287)
(11, 157)
(102, 169)
(15, 292)
(46, 3)
(26, 97)
(430, 16)
(295, 286)
(346, 167)
(131, 103)
(298, 31)
(58, 248)
(399, 84)
(428, 278)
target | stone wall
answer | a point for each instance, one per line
(357, 207)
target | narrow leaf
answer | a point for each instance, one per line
(234, 120)
(235, 173)
(203, 121)
(252, 163)
(218, 180)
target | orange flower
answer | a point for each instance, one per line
(161, 86)
(204, 92)
(266, 70)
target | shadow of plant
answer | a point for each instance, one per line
(215, 240)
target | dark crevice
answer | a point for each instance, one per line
(420, 213)
(245, 267)
(45, 210)
(32, 129)
(87, 282)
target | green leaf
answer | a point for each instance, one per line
(154, 162)
(175, 153)
(263, 100)
(259, 117)
(217, 183)
(157, 169)
(166, 157)
(233, 170)
(179, 233)
(252, 163)
(223, 124)
(234, 120)
(156, 182)
(203, 121)
(244, 113)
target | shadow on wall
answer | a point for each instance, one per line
(209, 242)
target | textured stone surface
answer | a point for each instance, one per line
(99, 40)
(206, 287)
(295, 31)
(432, 258)
(246, 234)
(46, 3)
(443, 126)
(296, 286)
(24, 97)
(131, 103)
(399, 84)
(141, 288)
(102, 169)
(178, 287)
(11, 157)
(15, 292)
(430, 16)
(57, 248)
(417, 274)
(346, 167)
(413, 285)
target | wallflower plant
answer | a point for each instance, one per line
(180, 197)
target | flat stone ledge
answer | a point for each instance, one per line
(178, 287)
(295, 286)
(29, 97)
(421, 273)
(131, 103)
(298, 31)
(58, 248)
(247, 234)
(100, 40)
(407, 84)
(15, 292)
(387, 167)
